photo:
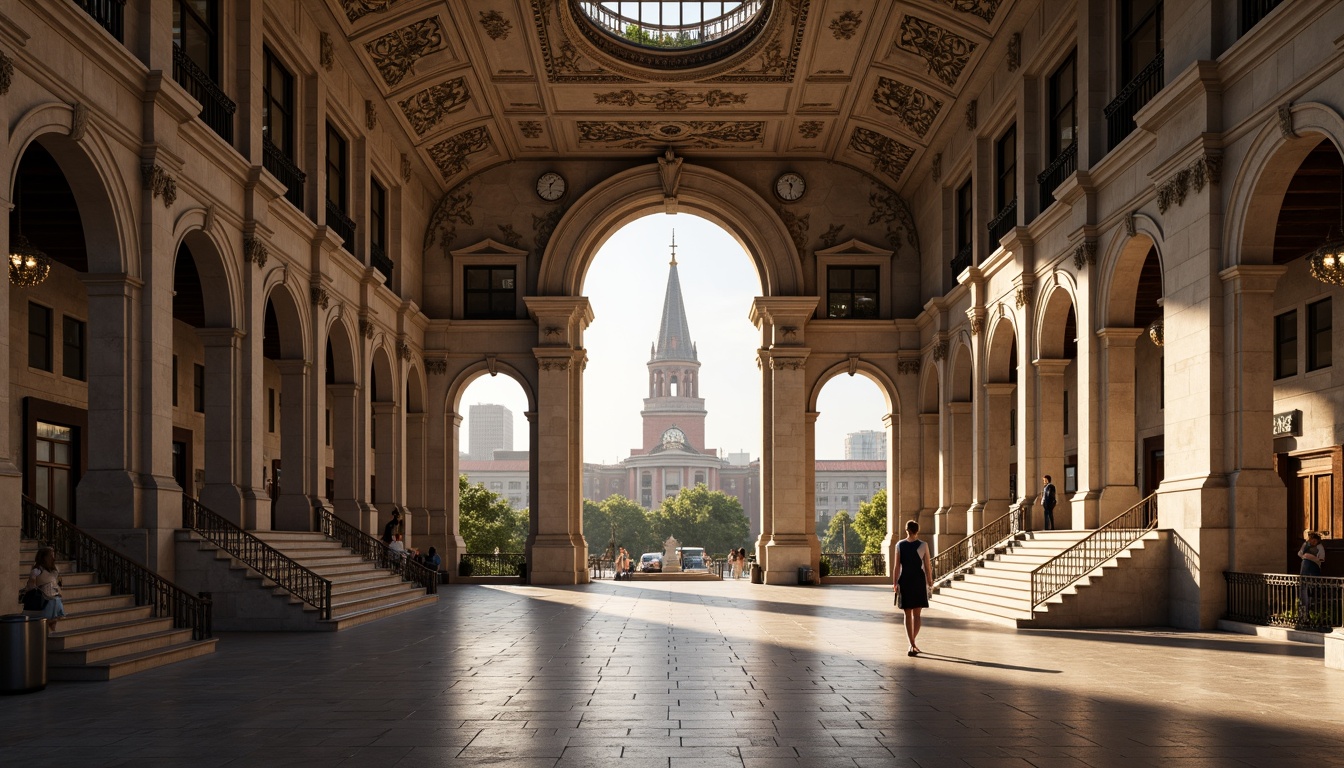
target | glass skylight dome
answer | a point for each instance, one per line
(671, 25)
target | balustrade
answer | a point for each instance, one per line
(1120, 113)
(1253, 11)
(216, 108)
(110, 15)
(1056, 172)
(1313, 603)
(1002, 224)
(962, 260)
(282, 168)
(342, 225)
(855, 564)
(378, 260)
(504, 564)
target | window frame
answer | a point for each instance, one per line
(48, 363)
(1059, 107)
(1285, 322)
(198, 388)
(283, 104)
(964, 205)
(378, 214)
(1315, 332)
(78, 351)
(1005, 170)
(211, 29)
(833, 271)
(490, 312)
(1130, 30)
(337, 168)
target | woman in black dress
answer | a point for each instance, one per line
(914, 580)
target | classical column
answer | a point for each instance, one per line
(223, 458)
(385, 417)
(792, 539)
(1049, 429)
(443, 486)
(767, 456)
(343, 400)
(998, 453)
(11, 481)
(294, 507)
(896, 489)
(1119, 490)
(413, 463)
(932, 516)
(961, 436)
(810, 479)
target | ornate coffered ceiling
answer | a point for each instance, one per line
(871, 84)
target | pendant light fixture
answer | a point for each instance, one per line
(1327, 261)
(1157, 330)
(28, 265)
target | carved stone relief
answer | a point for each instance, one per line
(1203, 170)
(971, 119)
(890, 209)
(797, 226)
(404, 350)
(453, 208)
(810, 129)
(913, 107)
(326, 52)
(6, 73)
(395, 53)
(936, 167)
(846, 24)
(1023, 297)
(405, 167)
(450, 155)
(985, 9)
(495, 25)
(940, 350)
(357, 9)
(671, 99)
(509, 236)
(436, 366)
(544, 226)
(531, 129)
(946, 53)
(889, 155)
(367, 327)
(832, 235)
(1014, 51)
(79, 121)
(634, 134)
(1085, 254)
(427, 108)
(370, 115)
(255, 251)
(1285, 115)
(320, 296)
(159, 183)
(669, 171)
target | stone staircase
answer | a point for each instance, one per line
(360, 591)
(1130, 589)
(106, 636)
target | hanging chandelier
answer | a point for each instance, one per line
(28, 266)
(1157, 330)
(1327, 261)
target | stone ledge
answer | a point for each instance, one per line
(1273, 633)
(1334, 649)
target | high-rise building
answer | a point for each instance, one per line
(866, 445)
(491, 430)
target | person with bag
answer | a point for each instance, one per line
(914, 581)
(42, 592)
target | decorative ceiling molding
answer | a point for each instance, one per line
(531, 129)
(637, 134)
(495, 25)
(891, 209)
(453, 208)
(810, 129)
(670, 99)
(913, 107)
(427, 108)
(945, 52)
(326, 51)
(846, 24)
(985, 9)
(395, 53)
(357, 9)
(450, 155)
(889, 155)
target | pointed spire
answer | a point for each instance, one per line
(674, 336)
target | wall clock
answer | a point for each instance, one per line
(551, 186)
(790, 186)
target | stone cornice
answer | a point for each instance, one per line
(1200, 79)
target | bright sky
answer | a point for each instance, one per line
(626, 284)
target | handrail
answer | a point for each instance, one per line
(504, 563)
(284, 169)
(1000, 224)
(372, 549)
(378, 259)
(342, 225)
(126, 576)
(217, 109)
(1055, 173)
(256, 554)
(1313, 603)
(962, 260)
(109, 14)
(1057, 573)
(1120, 112)
(855, 563)
(988, 538)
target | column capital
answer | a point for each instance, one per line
(1253, 278)
(811, 417)
(561, 320)
(292, 367)
(382, 407)
(999, 388)
(220, 337)
(1119, 337)
(1051, 366)
(959, 406)
(783, 317)
(788, 359)
(343, 390)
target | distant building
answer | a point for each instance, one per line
(506, 475)
(491, 430)
(868, 445)
(842, 485)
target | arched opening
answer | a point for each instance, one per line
(961, 413)
(933, 491)
(854, 445)
(385, 436)
(1001, 430)
(1057, 427)
(493, 483)
(285, 372)
(343, 484)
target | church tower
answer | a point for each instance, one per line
(674, 412)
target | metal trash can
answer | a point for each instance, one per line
(805, 575)
(757, 575)
(23, 653)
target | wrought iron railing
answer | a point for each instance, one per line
(1056, 172)
(378, 260)
(503, 564)
(855, 564)
(110, 15)
(989, 537)
(1001, 224)
(126, 577)
(599, 567)
(670, 35)
(281, 167)
(1139, 91)
(1253, 11)
(256, 554)
(375, 551)
(962, 260)
(1087, 555)
(1313, 603)
(216, 108)
(342, 225)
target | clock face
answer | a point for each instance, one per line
(674, 436)
(790, 186)
(551, 186)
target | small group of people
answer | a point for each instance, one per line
(41, 594)
(737, 562)
(625, 565)
(394, 536)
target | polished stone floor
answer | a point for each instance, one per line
(696, 674)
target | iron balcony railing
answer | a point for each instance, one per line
(1001, 224)
(378, 260)
(1253, 11)
(110, 15)
(1120, 113)
(281, 167)
(126, 577)
(1106, 542)
(376, 551)
(256, 554)
(660, 35)
(965, 553)
(599, 567)
(962, 260)
(342, 225)
(1314, 603)
(855, 564)
(509, 564)
(1056, 172)
(216, 108)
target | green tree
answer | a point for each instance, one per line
(871, 522)
(699, 517)
(633, 530)
(637, 34)
(840, 535)
(487, 521)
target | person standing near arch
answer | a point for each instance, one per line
(914, 581)
(1048, 500)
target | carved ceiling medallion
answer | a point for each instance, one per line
(495, 25)
(810, 129)
(846, 24)
(357, 9)
(531, 129)
(395, 53)
(636, 134)
(450, 155)
(946, 53)
(889, 155)
(670, 99)
(913, 107)
(427, 108)
(985, 9)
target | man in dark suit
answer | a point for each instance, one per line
(1048, 501)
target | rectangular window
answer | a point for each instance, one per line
(852, 292)
(39, 337)
(489, 293)
(336, 168)
(1285, 344)
(72, 348)
(377, 215)
(1320, 320)
(1140, 36)
(823, 500)
(1012, 426)
(174, 381)
(1005, 161)
(823, 485)
(496, 486)
(843, 485)
(270, 410)
(1063, 106)
(326, 431)
(1066, 411)
(964, 216)
(277, 104)
(194, 25)
(514, 485)
(860, 486)
(198, 387)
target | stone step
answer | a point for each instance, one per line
(353, 617)
(369, 581)
(85, 619)
(112, 669)
(343, 608)
(68, 578)
(108, 650)
(98, 603)
(339, 596)
(68, 639)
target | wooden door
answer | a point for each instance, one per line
(1315, 504)
(1153, 464)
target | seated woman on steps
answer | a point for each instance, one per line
(47, 580)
